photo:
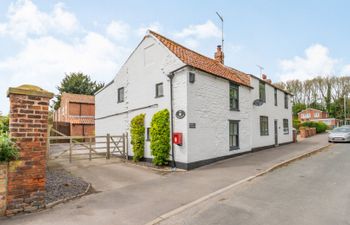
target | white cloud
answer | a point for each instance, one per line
(44, 56)
(316, 62)
(346, 70)
(200, 31)
(24, 18)
(155, 26)
(45, 60)
(118, 30)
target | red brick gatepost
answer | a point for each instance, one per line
(28, 125)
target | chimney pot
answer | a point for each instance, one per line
(219, 55)
(264, 77)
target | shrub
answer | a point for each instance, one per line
(160, 137)
(320, 126)
(4, 124)
(8, 150)
(137, 131)
(296, 124)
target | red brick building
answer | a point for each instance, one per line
(76, 116)
(316, 115)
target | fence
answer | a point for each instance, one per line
(87, 147)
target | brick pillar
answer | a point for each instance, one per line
(28, 125)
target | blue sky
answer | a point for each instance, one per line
(41, 40)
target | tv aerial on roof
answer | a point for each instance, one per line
(222, 30)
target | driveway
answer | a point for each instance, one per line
(127, 194)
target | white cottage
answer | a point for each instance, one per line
(221, 112)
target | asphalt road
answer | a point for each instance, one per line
(312, 191)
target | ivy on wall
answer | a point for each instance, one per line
(160, 137)
(137, 131)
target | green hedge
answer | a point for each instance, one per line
(4, 124)
(160, 137)
(320, 126)
(137, 131)
(8, 150)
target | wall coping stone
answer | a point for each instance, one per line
(31, 90)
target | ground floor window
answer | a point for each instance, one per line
(285, 126)
(264, 126)
(234, 134)
(148, 137)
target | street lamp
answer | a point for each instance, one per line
(345, 106)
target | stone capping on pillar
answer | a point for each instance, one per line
(26, 177)
(30, 90)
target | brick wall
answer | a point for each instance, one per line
(28, 125)
(3, 187)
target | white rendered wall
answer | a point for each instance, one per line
(208, 107)
(272, 112)
(148, 65)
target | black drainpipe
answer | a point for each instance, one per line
(171, 76)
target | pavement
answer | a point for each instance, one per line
(312, 191)
(127, 194)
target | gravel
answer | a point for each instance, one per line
(61, 184)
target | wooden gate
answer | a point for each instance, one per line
(87, 147)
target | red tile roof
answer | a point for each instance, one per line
(202, 62)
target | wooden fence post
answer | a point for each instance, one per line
(126, 146)
(124, 143)
(108, 156)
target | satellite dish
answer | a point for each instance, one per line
(258, 102)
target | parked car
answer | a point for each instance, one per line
(340, 134)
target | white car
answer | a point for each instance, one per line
(340, 134)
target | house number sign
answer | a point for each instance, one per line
(180, 114)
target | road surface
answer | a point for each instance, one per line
(311, 191)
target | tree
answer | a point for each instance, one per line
(323, 93)
(77, 83)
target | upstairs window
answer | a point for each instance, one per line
(121, 94)
(276, 97)
(285, 126)
(264, 126)
(159, 90)
(262, 91)
(234, 97)
(286, 100)
(234, 134)
(192, 77)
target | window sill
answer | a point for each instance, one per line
(120, 102)
(264, 135)
(234, 148)
(235, 110)
(160, 96)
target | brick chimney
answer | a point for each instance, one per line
(219, 54)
